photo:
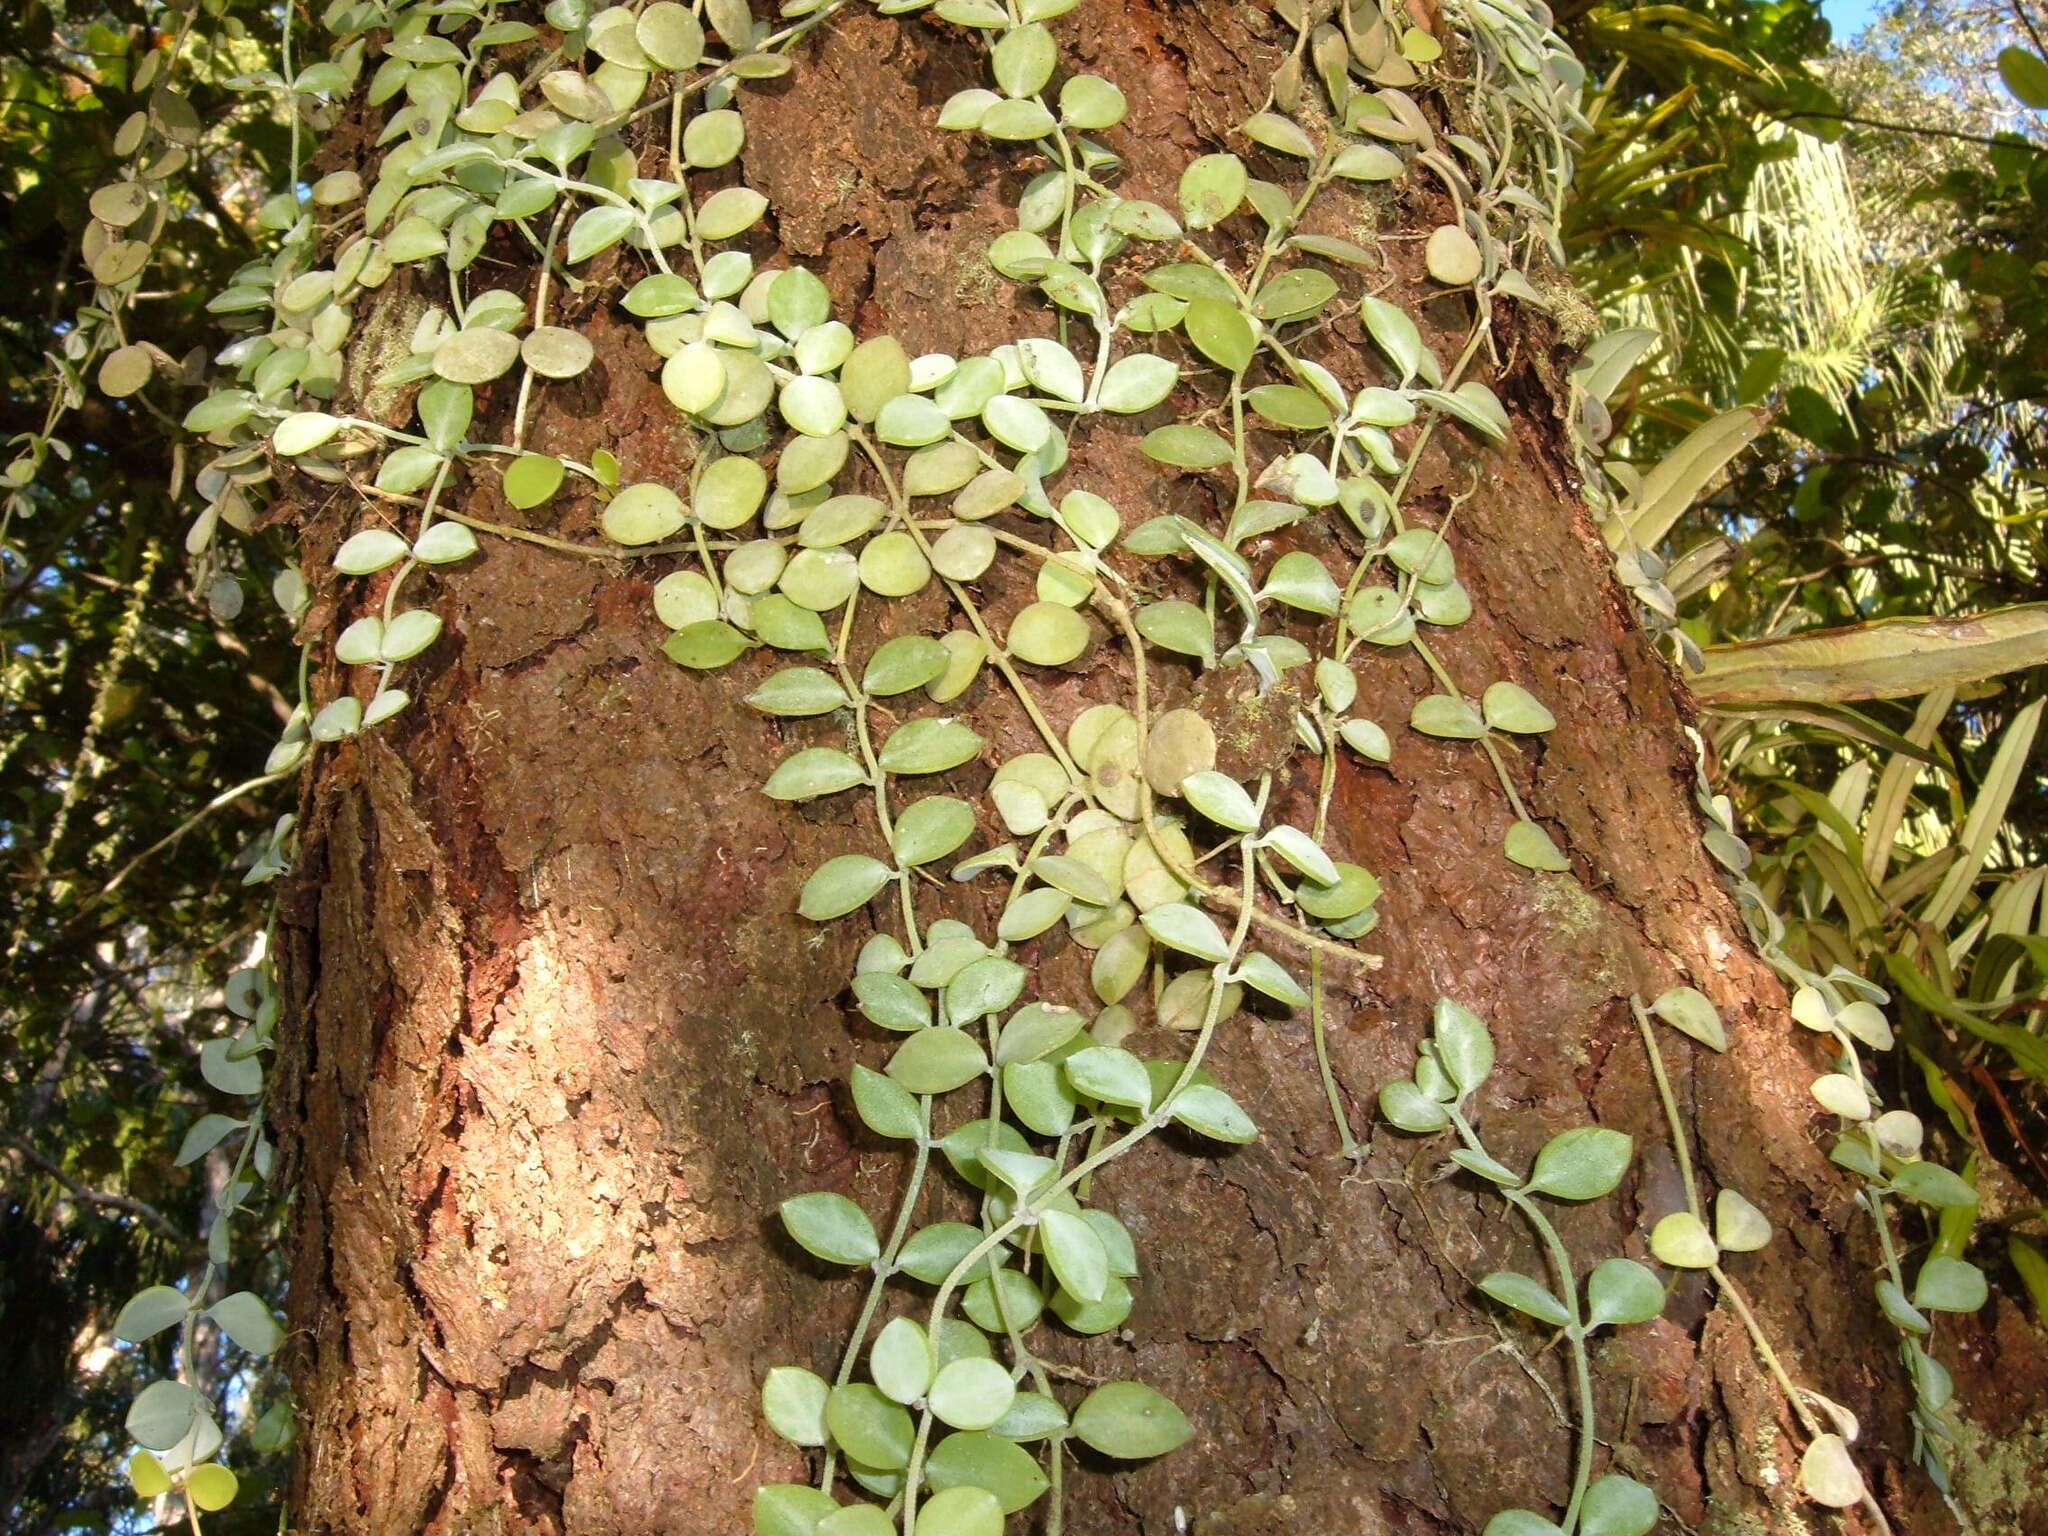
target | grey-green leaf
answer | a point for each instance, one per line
(1525, 1295)
(1130, 1421)
(832, 1227)
(1582, 1163)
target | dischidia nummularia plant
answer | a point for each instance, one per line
(1586, 1162)
(828, 475)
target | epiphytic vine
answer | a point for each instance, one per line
(826, 473)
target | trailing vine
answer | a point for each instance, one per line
(828, 474)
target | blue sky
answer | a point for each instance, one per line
(1848, 16)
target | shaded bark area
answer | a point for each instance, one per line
(563, 1044)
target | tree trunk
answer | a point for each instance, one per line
(563, 1043)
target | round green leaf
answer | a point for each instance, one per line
(444, 544)
(1451, 256)
(1222, 799)
(1582, 1163)
(1828, 1475)
(1510, 707)
(1110, 1074)
(1091, 103)
(1296, 295)
(1618, 1506)
(1187, 929)
(832, 1227)
(1949, 1285)
(1682, 1241)
(789, 1509)
(2025, 75)
(1208, 1109)
(813, 406)
(1187, 447)
(1528, 845)
(554, 352)
(1130, 1421)
(928, 745)
(1525, 1295)
(931, 828)
(813, 772)
(839, 520)
(912, 421)
(1211, 189)
(868, 1427)
(891, 1001)
(1739, 1227)
(1016, 120)
(1032, 914)
(365, 553)
(694, 377)
(146, 1474)
(1932, 1184)
(841, 885)
(1078, 1260)
(819, 580)
(798, 692)
(1178, 626)
(1367, 162)
(730, 492)
(1409, 1108)
(907, 662)
(1443, 714)
(1137, 383)
(964, 1511)
(885, 1106)
(938, 1061)
(810, 462)
(1355, 890)
(963, 554)
(243, 1317)
(211, 1487)
(1290, 406)
(894, 565)
(303, 432)
(1221, 334)
(728, 212)
(974, 1394)
(150, 1312)
(712, 139)
(793, 1402)
(990, 1462)
(1622, 1291)
(163, 1414)
(1023, 60)
(901, 1361)
(1048, 635)
(1690, 1012)
(645, 513)
(1037, 1030)
(877, 371)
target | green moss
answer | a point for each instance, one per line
(1726, 1519)
(2002, 1480)
(382, 340)
(1258, 1514)
(975, 282)
(1585, 928)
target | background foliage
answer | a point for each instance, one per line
(1846, 238)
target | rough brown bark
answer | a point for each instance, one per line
(564, 1043)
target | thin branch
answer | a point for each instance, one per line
(1995, 141)
(78, 1192)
